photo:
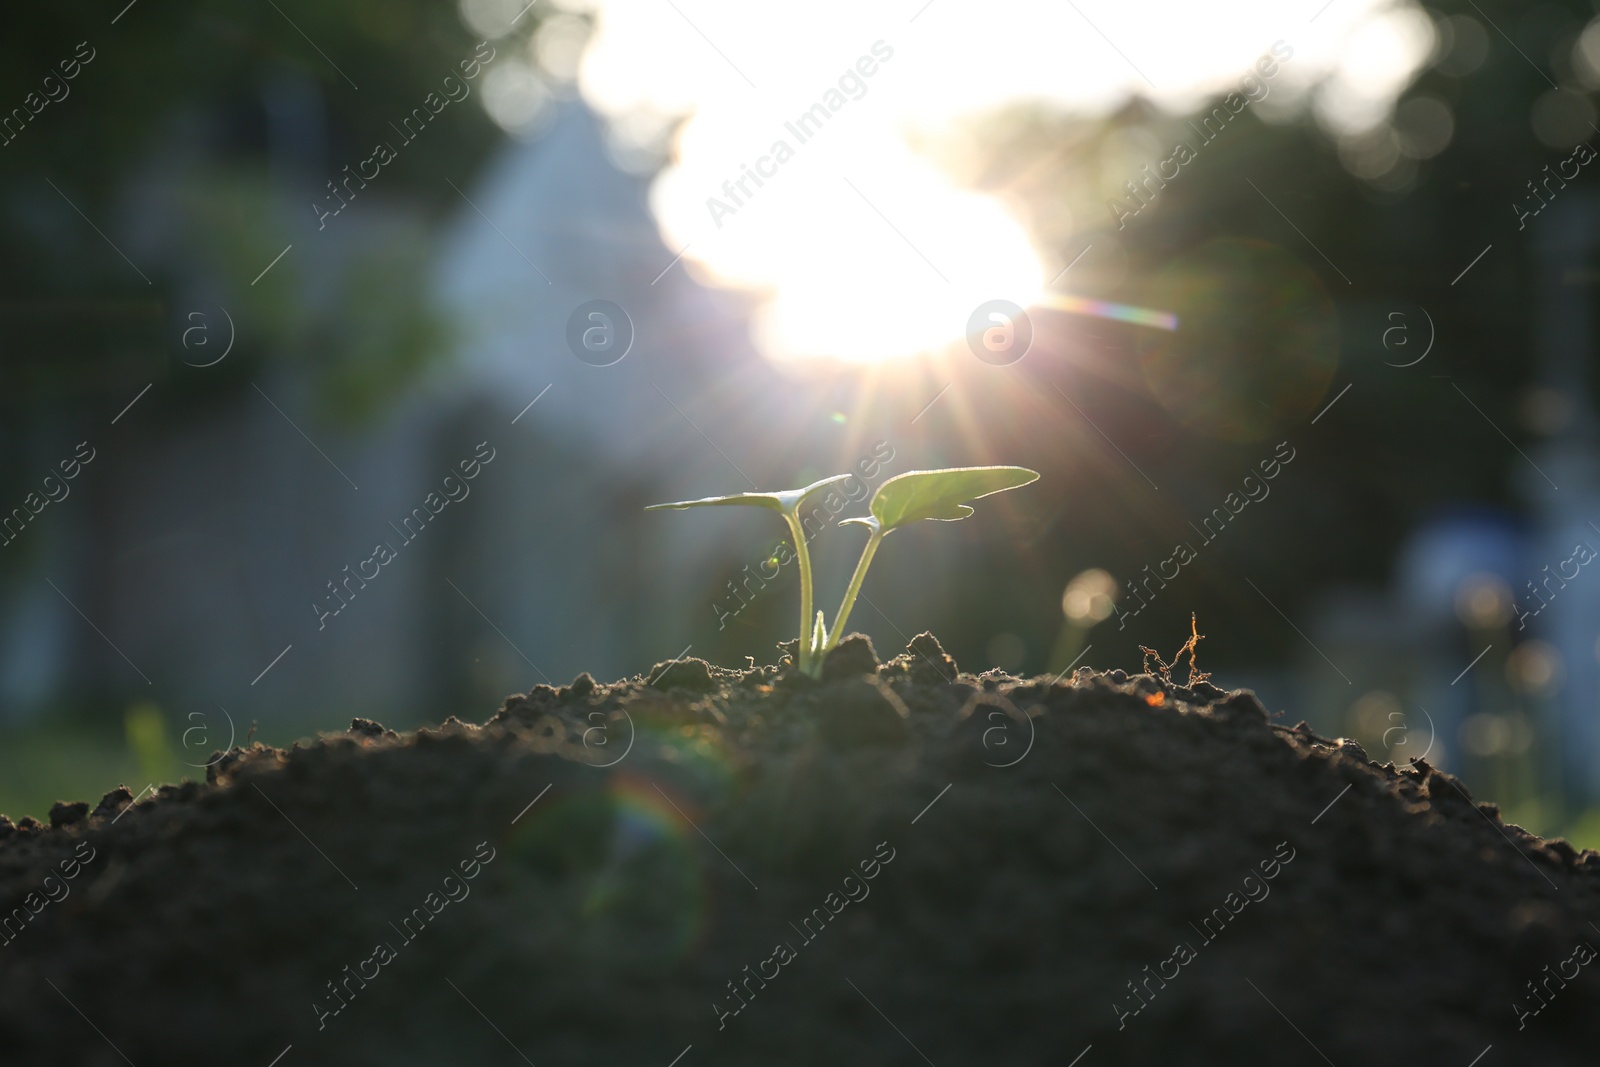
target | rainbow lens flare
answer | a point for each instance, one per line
(1103, 309)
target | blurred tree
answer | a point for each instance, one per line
(195, 138)
(1401, 209)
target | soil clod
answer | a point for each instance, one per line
(113, 802)
(65, 814)
(927, 661)
(851, 658)
(693, 675)
(1002, 865)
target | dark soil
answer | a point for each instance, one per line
(1010, 913)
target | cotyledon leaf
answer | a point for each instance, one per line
(785, 501)
(939, 494)
(788, 503)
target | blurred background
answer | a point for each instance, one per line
(342, 344)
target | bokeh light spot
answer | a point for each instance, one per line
(1483, 601)
(1089, 597)
(1561, 118)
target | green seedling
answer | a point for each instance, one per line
(941, 495)
(911, 497)
(789, 504)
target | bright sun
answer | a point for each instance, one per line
(793, 177)
(865, 250)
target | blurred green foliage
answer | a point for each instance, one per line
(158, 60)
(79, 323)
(146, 730)
(1401, 447)
(41, 765)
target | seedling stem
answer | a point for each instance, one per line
(850, 594)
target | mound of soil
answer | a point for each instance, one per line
(896, 864)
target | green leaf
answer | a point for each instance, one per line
(786, 501)
(941, 494)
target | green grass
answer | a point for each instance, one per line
(66, 754)
(39, 766)
(64, 757)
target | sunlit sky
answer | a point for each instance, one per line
(862, 248)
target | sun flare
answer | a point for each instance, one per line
(793, 175)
